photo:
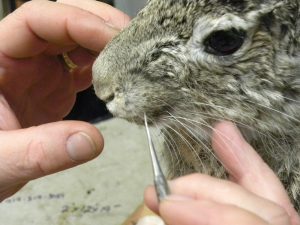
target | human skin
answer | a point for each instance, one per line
(37, 90)
(253, 194)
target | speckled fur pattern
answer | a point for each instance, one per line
(158, 66)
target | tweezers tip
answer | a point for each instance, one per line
(145, 119)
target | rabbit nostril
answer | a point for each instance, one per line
(109, 98)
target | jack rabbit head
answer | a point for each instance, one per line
(206, 59)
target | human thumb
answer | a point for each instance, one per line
(34, 152)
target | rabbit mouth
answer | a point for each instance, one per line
(134, 112)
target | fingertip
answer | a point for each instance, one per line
(226, 131)
(231, 148)
(150, 199)
(224, 125)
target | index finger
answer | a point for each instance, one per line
(110, 14)
(36, 25)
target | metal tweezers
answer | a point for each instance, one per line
(160, 182)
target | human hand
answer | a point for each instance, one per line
(36, 87)
(33, 78)
(254, 195)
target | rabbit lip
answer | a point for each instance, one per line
(118, 109)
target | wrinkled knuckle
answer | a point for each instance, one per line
(31, 163)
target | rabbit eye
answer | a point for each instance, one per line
(224, 42)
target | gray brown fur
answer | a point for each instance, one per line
(157, 66)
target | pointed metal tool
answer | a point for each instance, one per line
(160, 182)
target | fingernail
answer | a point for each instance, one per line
(81, 147)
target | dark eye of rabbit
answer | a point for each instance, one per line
(224, 42)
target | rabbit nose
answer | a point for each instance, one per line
(108, 98)
(105, 92)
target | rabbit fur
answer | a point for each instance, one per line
(173, 64)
